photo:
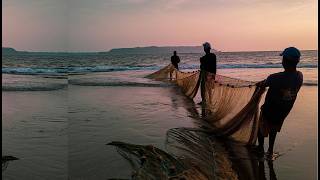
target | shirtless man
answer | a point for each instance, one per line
(283, 89)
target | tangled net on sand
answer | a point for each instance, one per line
(192, 155)
(149, 162)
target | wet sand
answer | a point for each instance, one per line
(34, 129)
(63, 133)
(143, 115)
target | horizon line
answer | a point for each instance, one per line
(106, 51)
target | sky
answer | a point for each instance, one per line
(100, 25)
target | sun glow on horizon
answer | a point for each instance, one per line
(98, 25)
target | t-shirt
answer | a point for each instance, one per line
(175, 60)
(208, 63)
(282, 93)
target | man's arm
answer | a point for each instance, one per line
(266, 82)
(214, 63)
(201, 59)
(215, 66)
(261, 83)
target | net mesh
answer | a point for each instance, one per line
(191, 155)
(231, 105)
(197, 147)
(163, 74)
(188, 82)
(230, 109)
(151, 163)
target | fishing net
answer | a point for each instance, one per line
(192, 153)
(163, 74)
(231, 106)
(189, 82)
(151, 163)
(217, 157)
(196, 147)
(230, 109)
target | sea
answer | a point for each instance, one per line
(59, 110)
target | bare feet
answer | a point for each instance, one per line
(270, 156)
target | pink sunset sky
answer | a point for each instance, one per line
(100, 25)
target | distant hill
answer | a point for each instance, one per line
(135, 50)
(8, 50)
(160, 50)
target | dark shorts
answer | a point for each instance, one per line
(176, 66)
(267, 125)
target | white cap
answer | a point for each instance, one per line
(206, 45)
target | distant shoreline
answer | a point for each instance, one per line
(136, 50)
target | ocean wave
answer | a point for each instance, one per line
(50, 71)
(109, 68)
(73, 70)
(33, 71)
(267, 65)
(241, 66)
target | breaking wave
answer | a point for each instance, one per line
(48, 71)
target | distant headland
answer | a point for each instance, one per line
(160, 50)
(8, 50)
(134, 50)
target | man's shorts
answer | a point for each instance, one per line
(268, 124)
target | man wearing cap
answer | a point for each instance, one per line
(175, 60)
(279, 100)
(208, 63)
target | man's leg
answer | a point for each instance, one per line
(202, 89)
(260, 141)
(272, 138)
(271, 171)
(262, 173)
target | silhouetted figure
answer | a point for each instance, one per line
(282, 93)
(175, 60)
(208, 62)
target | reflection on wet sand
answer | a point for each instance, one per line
(194, 153)
(246, 162)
